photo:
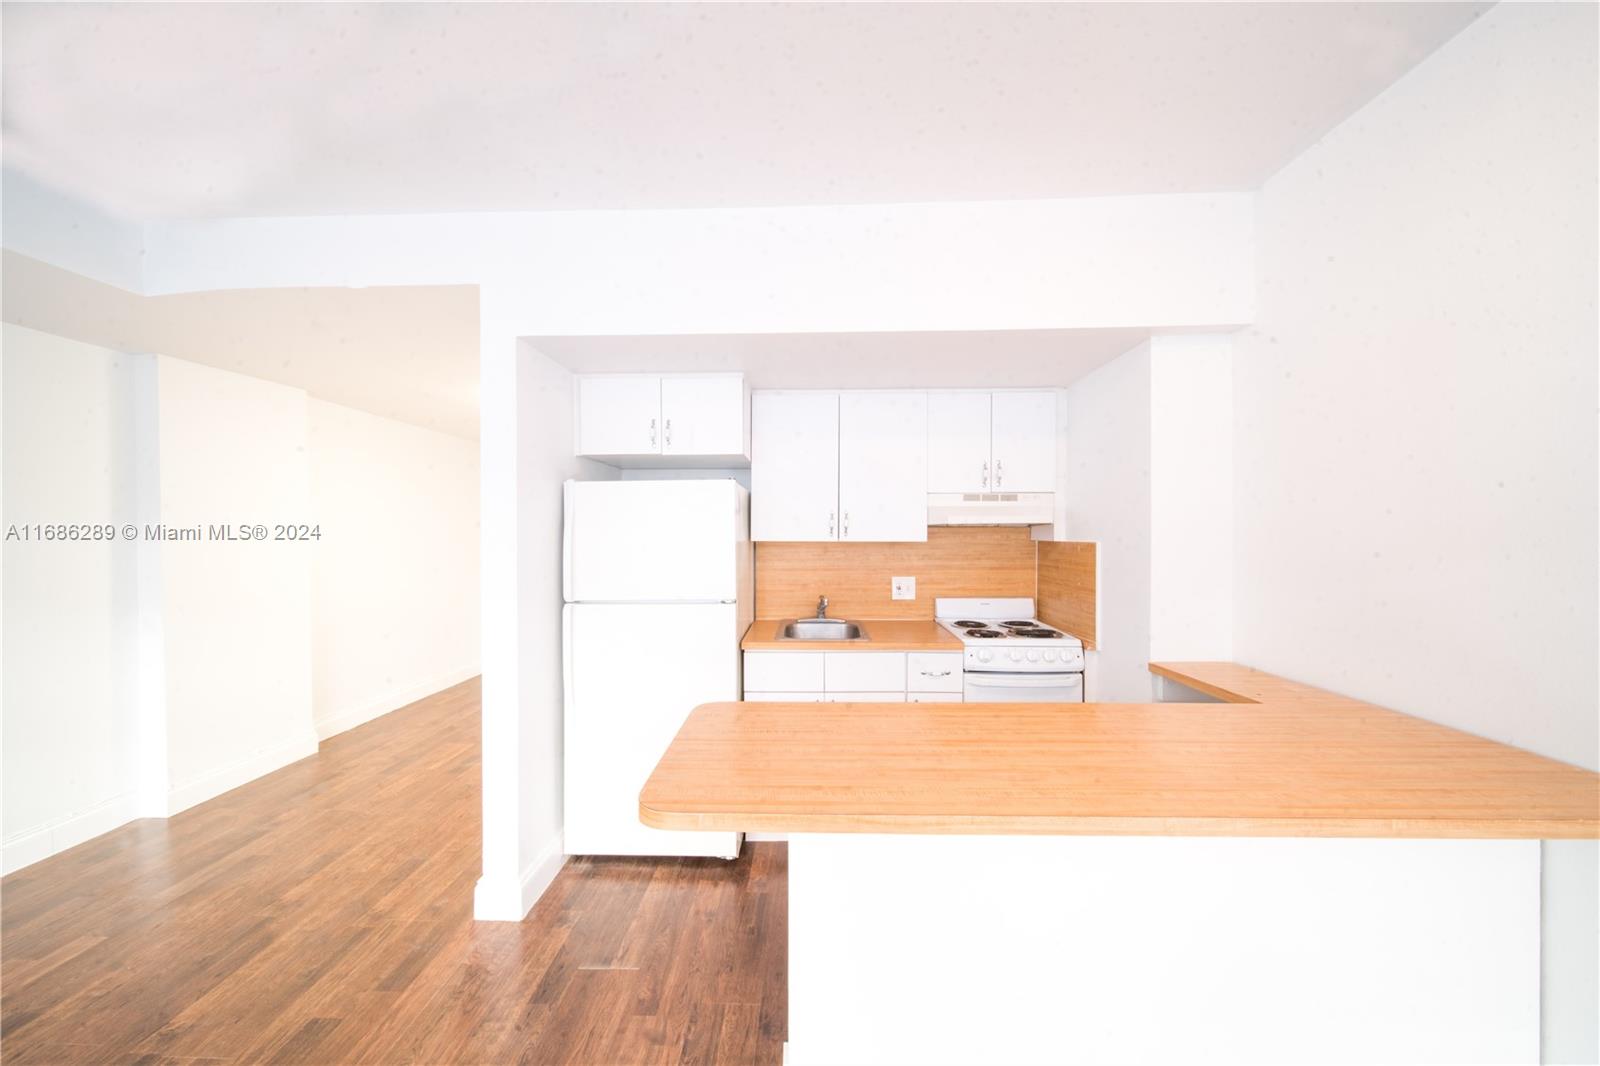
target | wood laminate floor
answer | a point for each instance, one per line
(323, 914)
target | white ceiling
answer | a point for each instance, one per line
(188, 110)
(996, 358)
(407, 353)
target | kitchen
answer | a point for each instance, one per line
(880, 654)
(884, 552)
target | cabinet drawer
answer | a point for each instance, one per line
(865, 697)
(782, 697)
(863, 671)
(933, 672)
(933, 697)
(783, 671)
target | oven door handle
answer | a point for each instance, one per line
(1024, 680)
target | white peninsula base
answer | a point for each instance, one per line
(1072, 949)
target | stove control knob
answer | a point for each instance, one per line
(983, 656)
(1033, 656)
(1049, 656)
(1016, 656)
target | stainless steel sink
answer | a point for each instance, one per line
(822, 629)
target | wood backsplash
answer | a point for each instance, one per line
(955, 561)
(1067, 576)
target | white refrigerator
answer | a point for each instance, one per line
(657, 582)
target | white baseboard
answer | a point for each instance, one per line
(505, 900)
(45, 841)
(227, 778)
(336, 722)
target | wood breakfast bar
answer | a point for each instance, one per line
(1286, 875)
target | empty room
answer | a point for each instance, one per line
(809, 533)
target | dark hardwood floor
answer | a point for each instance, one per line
(323, 914)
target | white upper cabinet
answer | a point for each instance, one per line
(1024, 442)
(794, 466)
(992, 441)
(703, 414)
(619, 414)
(883, 466)
(697, 418)
(958, 442)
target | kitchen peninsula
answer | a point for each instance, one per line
(1288, 875)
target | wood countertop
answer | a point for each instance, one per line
(1290, 761)
(887, 635)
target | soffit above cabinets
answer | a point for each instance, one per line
(1025, 358)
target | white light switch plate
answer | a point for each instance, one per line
(902, 588)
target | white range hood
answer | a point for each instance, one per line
(991, 508)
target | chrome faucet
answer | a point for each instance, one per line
(822, 606)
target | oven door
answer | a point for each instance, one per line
(1021, 688)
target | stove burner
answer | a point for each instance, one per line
(984, 633)
(1030, 624)
(1037, 634)
(965, 624)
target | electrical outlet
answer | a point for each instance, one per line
(902, 588)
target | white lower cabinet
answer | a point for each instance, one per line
(937, 671)
(852, 677)
(863, 671)
(782, 671)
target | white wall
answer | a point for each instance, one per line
(236, 616)
(395, 573)
(1191, 498)
(69, 761)
(522, 752)
(1149, 476)
(1107, 486)
(1416, 437)
(1416, 403)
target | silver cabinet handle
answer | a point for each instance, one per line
(985, 475)
(930, 673)
(830, 523)
(668, 428)
(652, 433)
(844, 527)
(997, 478)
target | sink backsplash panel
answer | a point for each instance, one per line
(954, 561)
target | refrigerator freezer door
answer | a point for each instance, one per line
(625, 701)
(655, 541)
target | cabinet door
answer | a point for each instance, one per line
(958, 442)
(703, 414)
(864, 671)
(933, 672)
(1024, 438)
(883, 466)
(794, 466)
(619, 414)
(783, 671)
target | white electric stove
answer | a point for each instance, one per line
(1009, 655)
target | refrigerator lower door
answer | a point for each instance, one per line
(633, 674)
